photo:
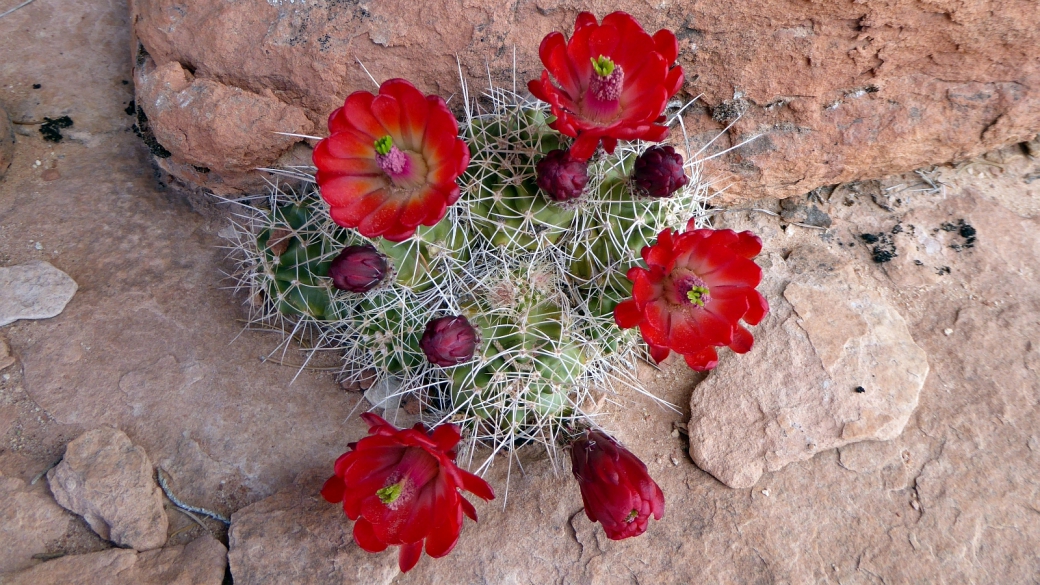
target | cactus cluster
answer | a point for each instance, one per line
(537, 279)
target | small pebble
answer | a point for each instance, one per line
(674, 460)
(675, 433)
(948, 331)
(38, 246)
(765, 493)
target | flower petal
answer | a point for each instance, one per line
(476, 486)
(358, 112)
(757, 308)
(381, 220)
(446, 436)
(366, 538)
(627, 314)
(667, 45)
(468, 509)
(703, 360)
(414, 111)
(409, 556)
(352, 190)
(584, 146)
(333, 490)
(742, 340)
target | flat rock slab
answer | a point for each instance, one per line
(34, 290)
(295, 536)
(29, 520)
(110, 482)
(201, 562)
(833, 364)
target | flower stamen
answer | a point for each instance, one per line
(384, 144)
(608, 81)
(603, 66)
(390, 493)
(692, 290)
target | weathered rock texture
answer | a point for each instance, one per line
(6, 142)
(208, 126)
(837, 90)
(295, 536)
(29, 519)
(110, 482)
(833, 364)
(34, 290)
(200, 562)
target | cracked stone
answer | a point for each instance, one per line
(827, 337)
(111, 483)
(201, 562)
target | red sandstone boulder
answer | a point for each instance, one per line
(837, 90)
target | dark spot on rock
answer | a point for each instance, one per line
(125, 82)
(898, 229)
(942, 270)
(860, 389)
(199, 169)
(967, 231)
(729, 110)
(37, 86)
(948, 227)
(880, 256)
(884, 251)
(918, 263)
(51, 128)
(131, 109)
(144, 131)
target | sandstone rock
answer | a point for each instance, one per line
(833, 364)
(200, 562)
(6, 142)
(34, 290)
(111, 483)
(295, 536)
(6, 359)
(29, 519)
(836, 91)
(213, 127)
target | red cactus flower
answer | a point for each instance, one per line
(615, 487)
(696, 288)
(612, 81)
(401, 487)
(390, 161)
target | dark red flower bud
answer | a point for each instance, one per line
(358, 269)
(659, 171)
(449, 341)
(562, 177)
(615, 487)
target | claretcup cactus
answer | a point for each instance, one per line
(536, 280)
